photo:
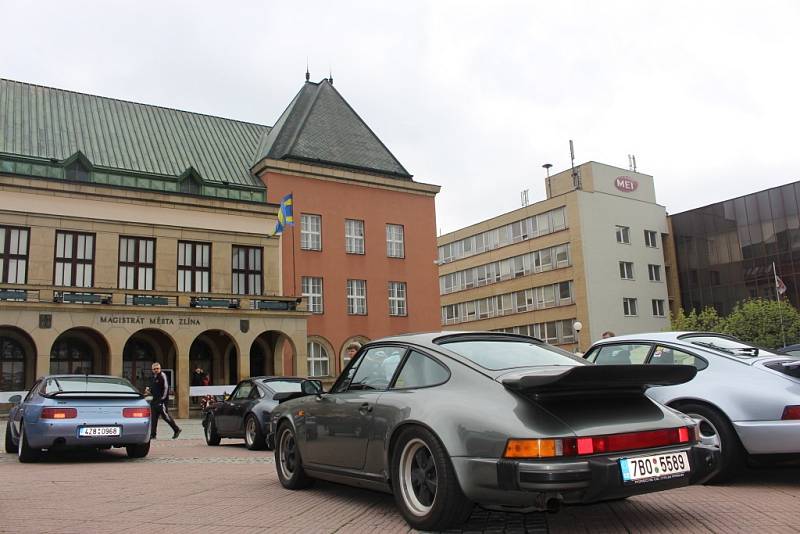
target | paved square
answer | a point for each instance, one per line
(186, 486)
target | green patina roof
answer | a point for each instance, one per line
(52, 125)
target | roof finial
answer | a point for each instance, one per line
(330, 75)
(308, 75)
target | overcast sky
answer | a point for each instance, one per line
(473, 96)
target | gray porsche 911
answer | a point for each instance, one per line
(448, 420)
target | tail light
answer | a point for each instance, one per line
(549, 448)
(59, 413)
(136, 412)
(791, 413)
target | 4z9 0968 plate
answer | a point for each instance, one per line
(656, 467)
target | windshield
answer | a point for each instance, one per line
(727, 345)
(87, 384)
(281, 386)
(508, 354)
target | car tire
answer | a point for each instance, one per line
(716, 430)
(11, 447)
(424, 483)
(287, 460)
(253, 436)
(139, 450)
(212, 437)
(25, 452)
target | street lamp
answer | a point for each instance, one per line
(577, 326)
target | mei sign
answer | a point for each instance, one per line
(626, 184)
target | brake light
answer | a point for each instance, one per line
(59, 413)
(791, 413)
(548, 448)
(136, 412)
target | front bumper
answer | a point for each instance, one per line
(64, 433)
(530, 484)
(769, 437)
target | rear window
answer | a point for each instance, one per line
(283, 386)
(502, 354)
(87, 384)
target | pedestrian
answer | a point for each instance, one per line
(607, 334)
(351, 350)
(197, 376)
(159, 388)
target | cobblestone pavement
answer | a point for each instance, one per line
(186, 486)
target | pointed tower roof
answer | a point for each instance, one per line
(319, 126)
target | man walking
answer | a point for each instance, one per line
(159, 387)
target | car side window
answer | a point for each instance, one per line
(34, 389)
(669, 356)
(421, 371)
(243, 391)
(622, 354)
(256, 394)
(376, 368)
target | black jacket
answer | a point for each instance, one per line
(159, 387)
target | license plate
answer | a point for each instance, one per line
(656, 467)
(99, 431)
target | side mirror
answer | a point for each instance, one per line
(15, 399)
(311, 387)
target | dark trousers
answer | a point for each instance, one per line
(159, 409)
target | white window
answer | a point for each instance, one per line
(312, 290)
(623, 235)
(13, 255)
(626, 270)
(357, 297)
(658, 307)
(354, 236)
(629, 306)
(310, 232)
(650, 239)
(654, 272)
(397, 298)
(137, 263)
(395, 247)
(318, 361)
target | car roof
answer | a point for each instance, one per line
(81, 376)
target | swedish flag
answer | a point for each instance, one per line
(285, 215)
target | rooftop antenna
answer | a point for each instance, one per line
(630, 162)
(308, 75)
(330, 75)
(547, 180)
(633, 157)
(576, 177)
(523, 196)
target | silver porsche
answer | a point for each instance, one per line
(746, 398)
(447, 420)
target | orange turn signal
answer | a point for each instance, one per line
(533, 448)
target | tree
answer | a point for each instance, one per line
(707, 320)
(758, 321)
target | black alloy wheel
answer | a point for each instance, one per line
(25, 452)
(287, 460)
(11, 447)
(210, 432)
(424, 482)
(139, 450)
(253, 436)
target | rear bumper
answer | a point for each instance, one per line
(769, 437)
(529, 484)
(55, 434)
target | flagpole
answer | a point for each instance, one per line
(778, 298)
(294, 270)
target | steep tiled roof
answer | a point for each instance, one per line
(53, 124)
(319, 126)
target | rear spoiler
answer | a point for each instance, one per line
(596, 378)
(95, 394)
(288, 395)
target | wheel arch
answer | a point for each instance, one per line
(392, 443)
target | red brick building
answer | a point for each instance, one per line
(363, 247)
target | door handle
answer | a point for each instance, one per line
(365, 408)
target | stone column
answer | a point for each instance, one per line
(182, 379)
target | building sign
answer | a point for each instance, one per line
(626, 184)
(157, 320)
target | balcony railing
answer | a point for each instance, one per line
(73, 297)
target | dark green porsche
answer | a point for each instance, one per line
(447, 420)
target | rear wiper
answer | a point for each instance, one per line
(712, 346)
(752, 350)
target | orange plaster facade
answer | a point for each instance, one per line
(377, 204)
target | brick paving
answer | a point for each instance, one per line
(186, 486)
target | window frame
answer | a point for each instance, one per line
(647, 242)
(194, 269)
(623, 234)
(6, 256)
(393, 298)
(310, 233)
(355, 298)
(662, 306)
(402, 365)
(247, 271)
(353, 238)
(309, 295)
(310, 360)
(136, 264)
(654, 268)
(73, 260)
(626, 301)
(390, 242)
(624, 272)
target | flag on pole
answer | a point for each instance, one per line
(779, 285)
(285, 215)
